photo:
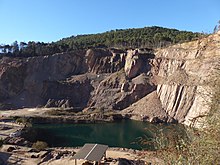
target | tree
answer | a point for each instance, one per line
(6, 49)
(217, 27)
(15, 48)
(151, 37)
(23, 45)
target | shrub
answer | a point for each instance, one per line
(26, 122)
(40, 145)
(21, 120)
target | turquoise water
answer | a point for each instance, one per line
(125, 134)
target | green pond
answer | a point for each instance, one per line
(125, 134)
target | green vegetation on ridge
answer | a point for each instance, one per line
(131, 38)
(151, 37)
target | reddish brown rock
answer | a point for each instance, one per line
(104, 61)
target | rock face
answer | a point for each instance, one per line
(66, 93)
(12, 74)
(165, 85)
(183, 72)
(22, 81)
(137, 62)
(104, 61)
(133, 64)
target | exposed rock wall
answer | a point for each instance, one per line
(166, 85)
(183, 73)
(177, 99)
(126, 86)
(137, 62)
(21, 80)
(12, 76)
(71, 93)
(104, 60)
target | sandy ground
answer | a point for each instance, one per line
(24, 112)
(21, 156)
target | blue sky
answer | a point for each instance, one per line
(51, 20)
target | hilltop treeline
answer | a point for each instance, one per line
(151, 37)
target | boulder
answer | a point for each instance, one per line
(10, 149)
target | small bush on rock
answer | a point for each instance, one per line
(40, 145)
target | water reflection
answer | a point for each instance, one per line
(123, 134)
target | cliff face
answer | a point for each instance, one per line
(22, 81)
(183, 73)
(164, 85)
(11, 71)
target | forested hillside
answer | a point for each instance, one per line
(151, 37)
